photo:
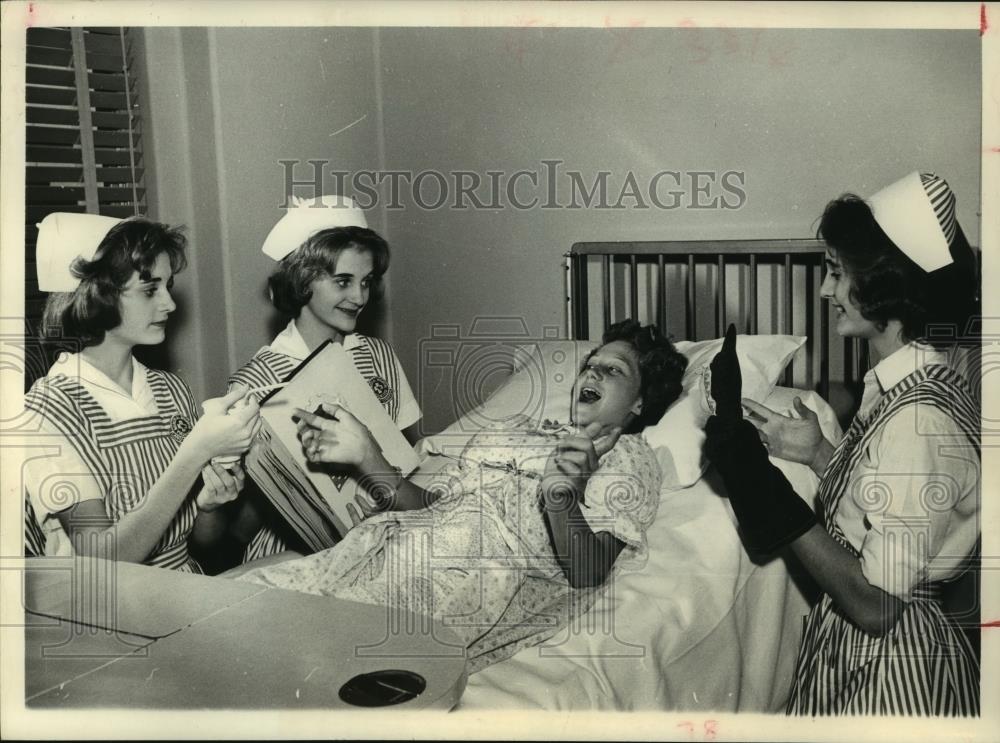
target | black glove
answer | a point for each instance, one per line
(770, 513)
(727, 381)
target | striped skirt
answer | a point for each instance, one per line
(923, 666)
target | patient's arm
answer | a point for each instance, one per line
(388, 488)
(585, 556)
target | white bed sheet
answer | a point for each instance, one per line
(700, 627)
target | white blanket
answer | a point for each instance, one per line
(700, 627)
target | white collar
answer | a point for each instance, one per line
(75, 365)
(291, 343)
(902, 362)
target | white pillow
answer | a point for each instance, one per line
(679, 437)
(543, 377)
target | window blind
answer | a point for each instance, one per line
(83, 150)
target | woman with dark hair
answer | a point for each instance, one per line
(527, 514)
(330, 267)
(130, 444)
(900, 492)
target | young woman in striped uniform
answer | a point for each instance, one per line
(329, 263)
(899, 494)
(123, 467)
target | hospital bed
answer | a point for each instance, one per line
(702, 626)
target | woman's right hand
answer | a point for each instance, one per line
(228, 426)
(337, 437)
(795, 439)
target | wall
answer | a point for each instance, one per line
(806, 115)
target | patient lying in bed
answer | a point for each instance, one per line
(512, 540)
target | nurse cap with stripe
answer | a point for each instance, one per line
(64, 237)
(306, 217)
(917, 213)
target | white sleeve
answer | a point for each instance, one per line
(54, 478)
(919, 483)
(622, 496)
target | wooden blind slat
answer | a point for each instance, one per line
(111, 139)
(104, 43)
(119, 194)
(65, 78)
(71, 117)
(54, 194)
(39, 95)
(52, 135)
(41, 115)
(57, 174)
(112, 157)
(36, 174)
(120, 175)
(49, 96)
(40, 55)
(53, 155)
(96, 61)
(57, 38)
(68, 136)
(116, 101)
(107, 81)
(105, 120)
(49, 76)
(75, 193)
(119, 211)
(99, 62)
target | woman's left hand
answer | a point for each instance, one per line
(573, 461)
(220, 485)
(336, 437)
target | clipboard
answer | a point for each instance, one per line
(313, 498)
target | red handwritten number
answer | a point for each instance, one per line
(710, 729)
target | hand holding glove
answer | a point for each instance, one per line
(770, 513)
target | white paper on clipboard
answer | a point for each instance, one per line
(329, 375)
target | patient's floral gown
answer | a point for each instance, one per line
(479, 558)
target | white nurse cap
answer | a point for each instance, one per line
(305, 217)
(917, 212)
(62, 238)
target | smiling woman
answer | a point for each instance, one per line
(899, 493)
(330, 267)
(130, 447)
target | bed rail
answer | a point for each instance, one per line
(791, 269)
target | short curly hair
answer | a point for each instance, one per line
(661, 368)
(290, 286)
(93, 308)
(888, 285)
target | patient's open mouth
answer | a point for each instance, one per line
(589, 395)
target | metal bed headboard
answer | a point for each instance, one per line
(716, 256)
